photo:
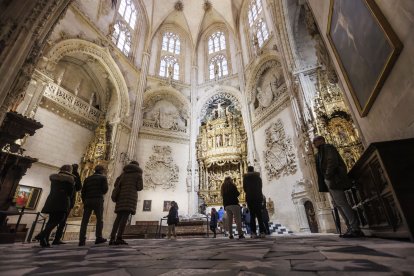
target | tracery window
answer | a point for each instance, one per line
(170, 55)
(169, 65)
(216, 42)
(171, 43)
(257, 24)
(124, 27)
(122, 37)
(218, 65)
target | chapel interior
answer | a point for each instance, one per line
(197, 90)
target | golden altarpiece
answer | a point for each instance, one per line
(334, 121)
(96, 154)
(221, 151)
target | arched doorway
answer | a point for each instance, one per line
(310, 215)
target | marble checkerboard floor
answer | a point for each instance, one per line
(280, 255)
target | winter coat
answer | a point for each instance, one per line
(231, 196)
(252, 186)
(95, 186)
(331, 169)
(220, 214)
(213, 220)
(78, 187)
(61, 190)
(172, 217)
(128, 183)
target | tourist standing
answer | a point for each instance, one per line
(57, 204)
(252, 185)
(265, 216)
(125, 196)
(172, 219)
(220, 213)
(78, 186)
(93, 191)
(213, 221)
(333, 178)
(230, 196)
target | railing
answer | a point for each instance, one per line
(159, 228)
(71, 102)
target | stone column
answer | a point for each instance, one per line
(136, 122)
(193, 202)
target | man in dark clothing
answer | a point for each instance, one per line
(93, 191)
(333, 178)
(252, 186)
(78, 186)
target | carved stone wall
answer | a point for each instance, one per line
(160, 170)
(279, 157)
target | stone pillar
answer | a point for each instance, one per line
(193, 196)
(136, 122)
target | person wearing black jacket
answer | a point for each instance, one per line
(78, 186)
(93, 191)
(58, 202)
(252, 186)
(230, 196)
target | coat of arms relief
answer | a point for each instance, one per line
(160, 170)
(279, 157)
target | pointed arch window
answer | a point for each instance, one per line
(128, 12)
(171, 43)
(124, 26)
(216, 42)
(256, 23)
(218, 65)
(121, 36)
(167, 64)
(255, 9)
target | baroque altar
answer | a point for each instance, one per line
(221, 151)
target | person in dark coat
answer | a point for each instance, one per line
(125, 197)
(230, 196)
(172, 219)
(78, 186)
(265, 216)
(93, 191)
(333, 178)
(213, 221)
(57, 204)
(252, 186)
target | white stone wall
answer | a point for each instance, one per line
(280, 190)
(180, 155)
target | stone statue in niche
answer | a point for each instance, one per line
(279, 157)
(160, 170)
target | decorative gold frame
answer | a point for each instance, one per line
(388, 35)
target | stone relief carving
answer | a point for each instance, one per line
(164, 111)
(279, 156)
(269, 85)
(160, 170)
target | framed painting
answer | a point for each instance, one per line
(147, 206)
(365, 47)
(167, 206)
(27, 196)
